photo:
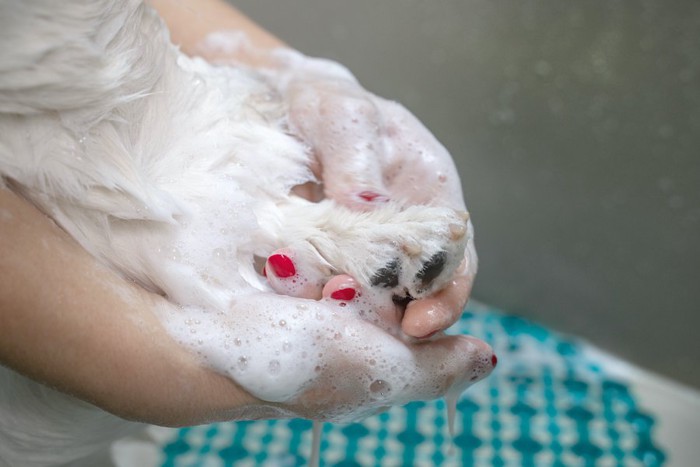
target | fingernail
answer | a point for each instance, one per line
(494, 360)
(430, 334)
(370, 196)
(344, 294)
(281, 265)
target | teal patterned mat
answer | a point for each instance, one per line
(549, 402)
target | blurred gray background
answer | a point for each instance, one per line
(576, 130)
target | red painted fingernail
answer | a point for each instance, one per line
(430, 334)
(494, 360)
(264, 271)
(281, 265)
(344, 294)
(370, 196)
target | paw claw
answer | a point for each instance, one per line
(457, 231)
(464, 215)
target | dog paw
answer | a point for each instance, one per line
(408, 252)
(418, 253)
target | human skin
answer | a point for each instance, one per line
(71, 323)
(121, 359)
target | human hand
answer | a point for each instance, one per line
(335, 359)
(368, 150)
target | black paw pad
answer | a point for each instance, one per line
(402, 301)
(432, 268)
(388, 276)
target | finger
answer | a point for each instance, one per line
(345, 130)
(424, 318)
(377, 371)
(419, 169)
(288, 274)
(342, 288)
(460, 360)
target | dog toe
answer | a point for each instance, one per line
(388, 276)
(432, 268)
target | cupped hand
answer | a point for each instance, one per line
(368, 150)
(337, 351)
(339, 358)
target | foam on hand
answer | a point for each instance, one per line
(337, 359)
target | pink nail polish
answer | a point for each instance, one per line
(281, 265)
(344, 294)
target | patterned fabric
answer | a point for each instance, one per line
(549, 402)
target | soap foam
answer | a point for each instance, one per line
(292, 350)
(323, 358)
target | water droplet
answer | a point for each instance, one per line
(379, 387)
(237, 342)
(274, 367)
(282, 323)
(286, 346)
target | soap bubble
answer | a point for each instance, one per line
(379, 387)
(274, 367)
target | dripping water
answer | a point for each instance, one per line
(451, 404)
(315, 456)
